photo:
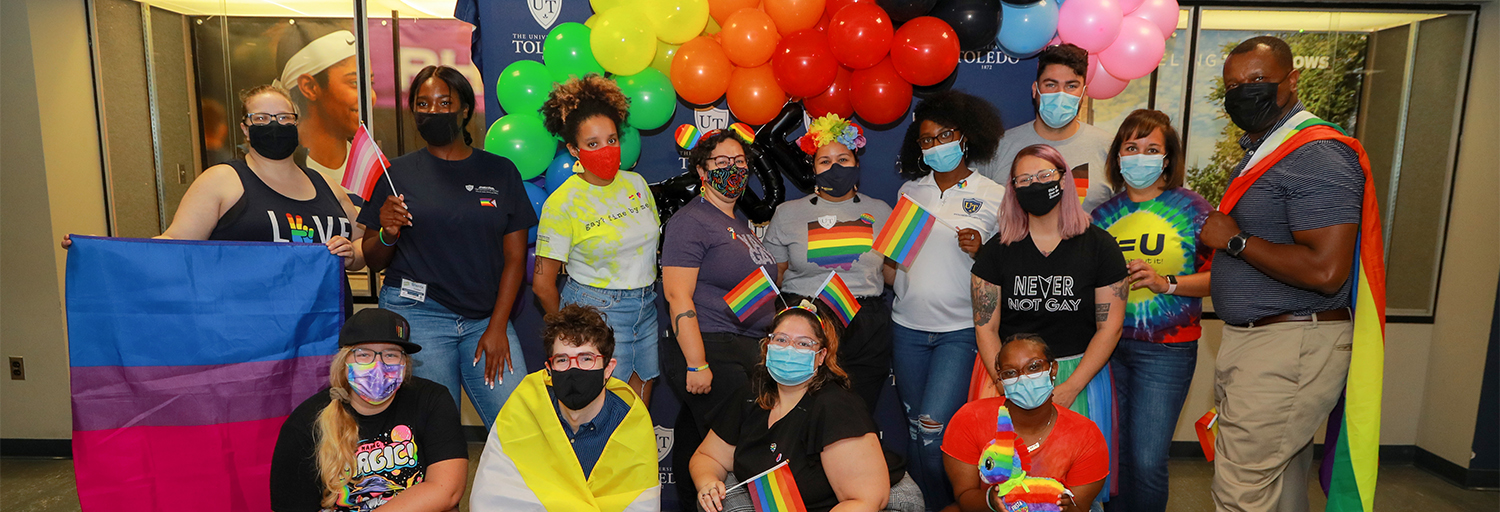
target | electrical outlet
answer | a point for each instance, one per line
(17, 368)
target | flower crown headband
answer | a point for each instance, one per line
(831, 128)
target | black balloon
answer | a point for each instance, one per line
(783, 155)
(902, 11)
(976, 22)
(926, 91)
(673, 193)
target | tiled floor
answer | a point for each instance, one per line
(37, 485)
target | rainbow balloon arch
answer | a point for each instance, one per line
(849, 57)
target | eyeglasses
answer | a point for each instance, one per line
(587, 361)
(1044, 176)
(1035, 366)
(367, 356)
(783, 340)
(262, 118)
(945, 137)
(1259, 79)
(720, 162)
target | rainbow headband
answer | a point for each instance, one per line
(829, 129)
(805, 305)
(687, 136)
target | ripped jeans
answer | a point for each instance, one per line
(932, 376)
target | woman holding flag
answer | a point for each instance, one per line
(453, 245)
(833, 231)
(934, 324)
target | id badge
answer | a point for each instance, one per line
(413, 290)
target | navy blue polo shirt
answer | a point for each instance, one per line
(589, 440)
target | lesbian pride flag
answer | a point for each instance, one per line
(185, 359)
(836, 293)
(752, 293)
(905, 232)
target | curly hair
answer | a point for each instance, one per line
(1141, 123)
(1075, 58)
(1035, 339)
(577, 325)
(577, 100)
(458, 85)
(827, 330)
(699, 155)
(978, 120)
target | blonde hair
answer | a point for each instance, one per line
(336, 432)
(258, 90)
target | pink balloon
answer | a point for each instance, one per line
(1105, 86)
(1093, 69)
(1136, 52)
(1091, 24)
(1129, 5)
(1162, 13)
(1056, 40)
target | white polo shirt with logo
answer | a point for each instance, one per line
(933, 295)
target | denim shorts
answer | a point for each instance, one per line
(632, 315)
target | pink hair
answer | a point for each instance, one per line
(1071, 219)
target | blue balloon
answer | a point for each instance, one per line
(560, 170)
(538, 197)
(1026, 29)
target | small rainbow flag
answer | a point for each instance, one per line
(752, 293)
(905, 231)
(774, 490)
(839, 298)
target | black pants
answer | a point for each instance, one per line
(731, 357)
(865, 349)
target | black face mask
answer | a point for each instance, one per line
(274, 140)
(576, 387)
(1040, 198)
(837, 180)
(1252, 107)
(437, 129)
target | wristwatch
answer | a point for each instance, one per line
(1237, 244)
(1171, 284)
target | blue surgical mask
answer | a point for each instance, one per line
(1029, 391)
(944, 157)
(1140, 171)
(790, 366)
(1057, 109)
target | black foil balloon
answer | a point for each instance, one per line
(902, 11)
(675, 192)
(926, 91)
(783, 155)
(976, 22)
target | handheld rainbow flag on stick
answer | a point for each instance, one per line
(365, 166)
(752, 293)
(906, 231)
(774, 490)
(839, 298)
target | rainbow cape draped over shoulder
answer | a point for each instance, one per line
(1351, 451)
(528, 462)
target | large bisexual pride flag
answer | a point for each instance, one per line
(186, 357)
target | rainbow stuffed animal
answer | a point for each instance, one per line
(1000, 466)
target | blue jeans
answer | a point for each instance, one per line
(448, 342)
(932, 377)
(632, 315)
(1151, 384)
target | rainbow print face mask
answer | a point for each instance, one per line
(376, 381)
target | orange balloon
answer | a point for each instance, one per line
(700, 71)
(749, 37)
(793, 15)
(720, 10)
(754, 97)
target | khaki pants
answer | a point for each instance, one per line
(1274, 387)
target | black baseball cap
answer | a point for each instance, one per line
(375, 325)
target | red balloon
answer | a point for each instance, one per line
(749, 37)
(803, 64)
(835, 99)
(754, 96)
(860, 35)
(925, 51)
(880, 95)
(832, 6)
(700, 71)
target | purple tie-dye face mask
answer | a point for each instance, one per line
(376, 382)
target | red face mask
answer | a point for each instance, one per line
(603, 162)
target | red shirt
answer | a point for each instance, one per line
(1074, 453)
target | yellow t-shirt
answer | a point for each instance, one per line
(607, 236)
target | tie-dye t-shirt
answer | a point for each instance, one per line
(1163, 232)
(606, 235)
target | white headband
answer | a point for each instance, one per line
(316, 57)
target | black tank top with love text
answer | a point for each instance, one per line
(264, 215)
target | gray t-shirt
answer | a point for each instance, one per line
(817, 238)
(725, 250)
(1086, 151)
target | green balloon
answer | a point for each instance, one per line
(523, 87)
(523, 139)
(566, 52)
(652, 99)
(630, 147)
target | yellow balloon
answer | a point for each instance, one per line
(712, 28)
(623, 41)
(604, 5)
(677, 21)
(664, 54)
(593, 20)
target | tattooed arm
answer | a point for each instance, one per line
(544, 284)
(678, 284)
(1109, 317)
(986, 296)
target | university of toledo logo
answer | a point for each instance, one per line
(972, 205)
(545, 11)
(711, 118)
(663, 442)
